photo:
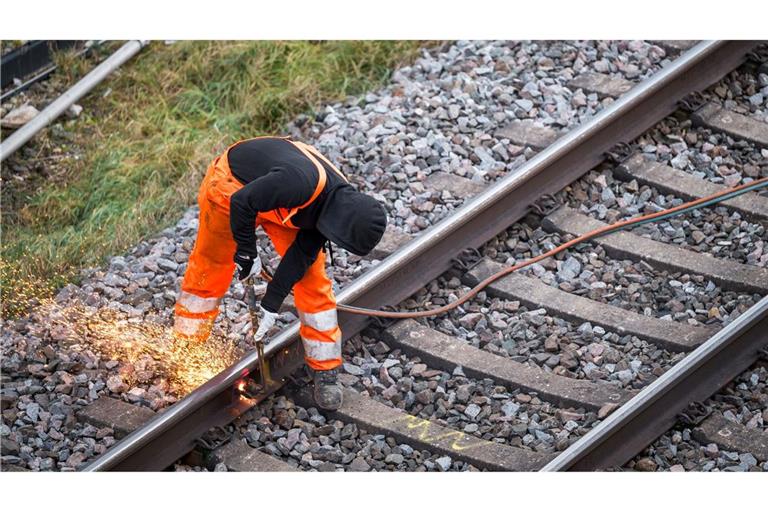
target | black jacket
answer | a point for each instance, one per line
(276, 174)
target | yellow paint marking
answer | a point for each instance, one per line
(461, 441)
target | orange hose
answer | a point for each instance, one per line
(508, 270)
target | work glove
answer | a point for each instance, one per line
(247, 266)
(267, 321)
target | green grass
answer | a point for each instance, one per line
(147, 143)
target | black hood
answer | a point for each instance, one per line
(352, 220)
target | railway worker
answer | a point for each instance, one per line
(302, 202)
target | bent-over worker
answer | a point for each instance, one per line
(302, 202)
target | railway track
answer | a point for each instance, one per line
(454, 384)
(502, 384)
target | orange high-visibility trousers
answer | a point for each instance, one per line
(211, 268)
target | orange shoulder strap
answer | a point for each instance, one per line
(319, 155)
(322, 178)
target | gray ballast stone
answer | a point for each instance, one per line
(392, 240)
(120, 416)
(675, 46)
(533, 293)
(527, 133)
(736, 125)
(19, 116)
(443, 351)
(686, 186)
(600, 84)
(239, 456)
(729, 435)
(424, 434)
(456, 185)
(622, 244)
(13, 468)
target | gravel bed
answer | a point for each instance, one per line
(180, 467)
(39, 430)
(719, 231)
(744, 401)
(43, 386)
(704, 153)
(580, 351)
(586, 270)
(475, 406)
(745, 91)
(307, 439)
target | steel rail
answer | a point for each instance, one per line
(63, 102)
(171, 434)
(654, 410)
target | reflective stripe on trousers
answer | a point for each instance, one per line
(195, 304)
(194, 315)
(321, 337)
(322, 351)
(322, 320)
(193, 327)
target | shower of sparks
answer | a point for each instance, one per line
(107, 332)
(22, 290)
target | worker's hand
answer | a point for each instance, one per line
(267, 321)
(247, 266)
